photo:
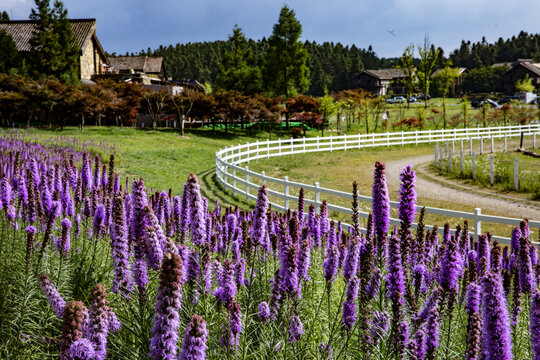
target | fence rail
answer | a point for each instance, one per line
(238, 178)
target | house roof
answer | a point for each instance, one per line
(21, 32)
(143, 64)
(385, 74)
(461, 70)
(534, 68)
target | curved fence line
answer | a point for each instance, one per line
(239, 179)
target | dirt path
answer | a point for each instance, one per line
(455, 193)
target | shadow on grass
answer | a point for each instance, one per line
(213, 190)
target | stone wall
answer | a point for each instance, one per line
(91, 61)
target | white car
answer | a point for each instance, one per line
(396, 100)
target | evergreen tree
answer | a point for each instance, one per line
(285, 71)
(10, 61)
(234, 71)
(4, 16)
(54, 51)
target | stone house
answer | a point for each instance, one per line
(141, 69)
(518, 71)
(93, 59)
(381, 82)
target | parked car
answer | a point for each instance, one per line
(423, 97)
(413, 99)
(479, 103)
(508, 99)
(396, 100)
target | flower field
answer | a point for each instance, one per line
(93, 266)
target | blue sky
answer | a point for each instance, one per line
(389, 26)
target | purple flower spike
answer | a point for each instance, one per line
(526, 276)
(164, 341)
(264, 312)
(82, 349)
(260, 218)
(496, 332)
(123, 281)
(194, 344)
(381, 201)
(197, 215)
(55, 299)
(227, 285)
(64, 243)
(351, 260)
(395, 280)
(330, 264)
(534, 327)
(349, 306)
(296, 329)
(407, 195)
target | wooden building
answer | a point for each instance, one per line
(93, 59)
(518, 71)
(144, 69)
(381, 82)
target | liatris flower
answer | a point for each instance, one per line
(82, 349)
(301, 207)
(264, 312)
(100, 221)
(379, 326)
(407, 196)
(227, 286)
(450, 266)
(324, 225)
(260, 218)
(276, 293)
(140, 270)
(296, 329)
(96, 180)
(304, 259)
(184, 224)
(67, 201)
(516, 235)
(240, 272)
(351, 260)
(374, 284)
(402, 338)
(418, 346)
(86, 173)
(235, 324)
(197, 214)
(420, 273)
(55, 299)
(432, 333)
(395, 280)
(123, 281)
(524, 226)
(326, 351)
(381, 201)
(194, 344)
(5, 193)
(526, 276)
(330, 264)
(349, 306)
(289, 268)
(495, 257)
(496, 323)
(72, 326)
(138, 219)
(154, 251)
(534, 327)
(64, 243)
(431, 303)
(163, 344)
(474, 329)
(30, 232)
(483, 251)
(98, 326)
(355, 210)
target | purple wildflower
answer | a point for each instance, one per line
(99, 221)
(123, 281)
(534, 327)
(381, 201)
(407, 195)
(395, 280)
(264, 312)
(526, 276)
(163, 343)
(98, 326)
(324, 225)
(496, 323)
(197, 215)
(374, 284)
(304, 259)
(64, 243)
(330, 264)
(296, 329)
(227, 285)
(260, 218)
(379, 325)
(194, 344)
(82, 349)
(55, 299)
(516, 235)
(240, 272)
(75, 316)
(351, 260)
(483, 251)
(349, 306)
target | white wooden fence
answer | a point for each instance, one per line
(240, 179)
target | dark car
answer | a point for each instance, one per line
(476, 103)
(423, 97)
(508, 99)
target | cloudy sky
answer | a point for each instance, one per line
(389, 26)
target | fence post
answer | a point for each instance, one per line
(491, 176)
(304, 144)
(331, 137)
(492, 144)
(359, 141)
(387, 139)
(481, 145)
(453, 149)
(279, 146)
(473, 166)
(257, 150)
(402, 139)
(263, 174)
(292, 146)
(317, 194)
(516, 173)
(317, 142)
(477, 222)
(373, 140)
(461, 161)
(436, 152)
(247, 152)
(440, 157)
(286, 191)
(450, 160)
(345, 142)
(239, 154)
(416, 136)
(505, 140)
(470, 146)
(247, 183)
(534, 140)
(234, 181)
(429, 136)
